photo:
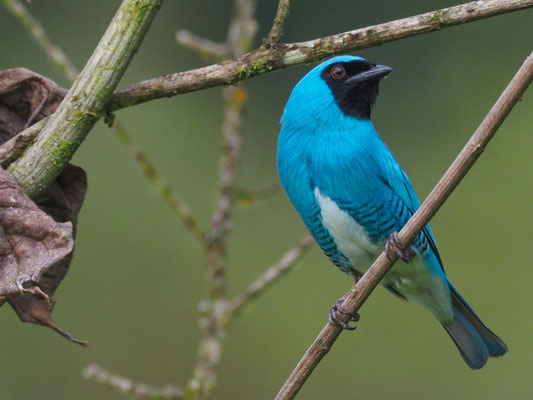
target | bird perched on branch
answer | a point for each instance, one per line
(354, 197)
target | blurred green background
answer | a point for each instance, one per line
(136, 278)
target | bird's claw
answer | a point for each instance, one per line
(394, 244)
(334, 319)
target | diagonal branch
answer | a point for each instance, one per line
(247, 196)
(278, 27)
(56, 55)
(85, 103)
(461, 165)
(273, 274)
(265, 60)
(178, 206)
(204, 46)
(14, 147)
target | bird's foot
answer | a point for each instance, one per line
(394, 244)
(334, 319)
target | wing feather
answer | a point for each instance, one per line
(398, 181)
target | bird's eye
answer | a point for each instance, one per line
(337, 72)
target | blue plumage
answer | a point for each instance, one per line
(352, 194)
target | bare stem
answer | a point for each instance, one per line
(214, 322)
(54, 53)
(127, 386)
(222, 220)
(14, 147)
(278, 27)
(247, 196)
(272, 274)
(453, 176)
(86, 101)
(204, 46)
(178, 206)
(264, 60)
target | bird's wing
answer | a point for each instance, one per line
(396, 179)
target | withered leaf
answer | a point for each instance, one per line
(25, 98)
(36, 238)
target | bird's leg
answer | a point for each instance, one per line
(394, 244)
(334, 319)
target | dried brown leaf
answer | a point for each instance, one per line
(25, 98)
(36, 238)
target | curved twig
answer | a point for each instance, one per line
(241, 33)
(272, 274)
(202, 45)
(127, 386)
(278, 27)
(56, 55)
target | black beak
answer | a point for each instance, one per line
(377, 72)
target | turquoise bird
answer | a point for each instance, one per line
(354, 197)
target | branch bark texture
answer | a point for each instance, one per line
(278, 27)
(272, 58)
(86, 101)
(453, 176)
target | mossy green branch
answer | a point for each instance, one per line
(86, 102)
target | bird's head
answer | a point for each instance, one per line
(341, 86)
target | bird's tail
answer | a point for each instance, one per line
(475, 341)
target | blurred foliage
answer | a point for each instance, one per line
(136, 277)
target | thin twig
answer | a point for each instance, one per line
(204, 46)
(127, 386)
(247, 196)
(278, 27)
(222, 219)
(272, 274)
(86, 101)
(176, 203)
(13, 148)
(56, 55)
(242, 29)
(453, 176)
(214, 320)
(265, 60)
(241, 32)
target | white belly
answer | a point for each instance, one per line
(350, 237)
